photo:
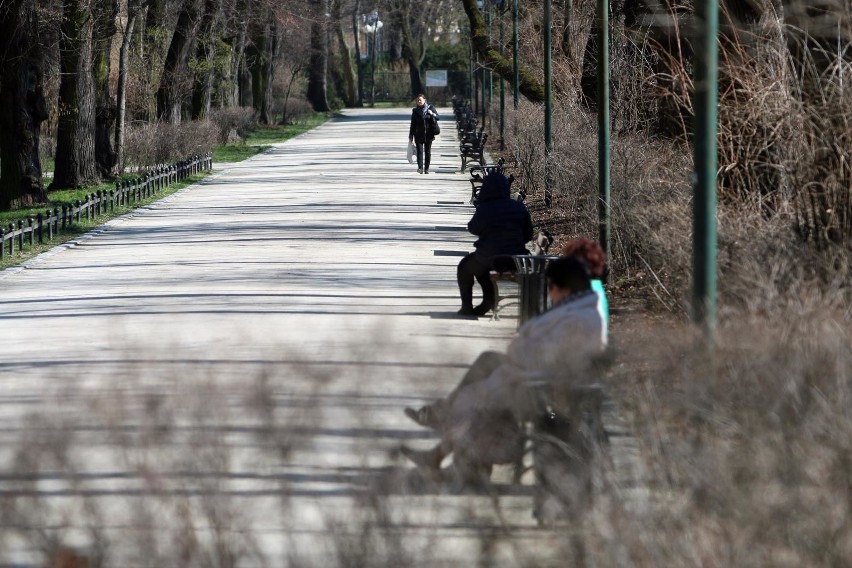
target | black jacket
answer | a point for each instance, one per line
(502, 224)
(418, 129)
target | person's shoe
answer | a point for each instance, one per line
(419, 170)
(426, 171)
(466, 311)
(482, 309)
(429, 459)
(425, 416)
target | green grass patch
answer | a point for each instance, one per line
(262, 137)
(235, 153)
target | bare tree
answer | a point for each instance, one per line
(134, 9)
(105, 15)
(75, 136)
(260, 53)
(175, 77)
(411, 26)
(343, 60)
(318, 69)
(205, 69)
(235, 36)
(294, 56)
(529, 86)
(22, 104)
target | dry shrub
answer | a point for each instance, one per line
(651, 193)
(758, 117)
(149, 144)
(233, 124)
(747, 449)
(820, 171)
(294, 109)
(784, 181)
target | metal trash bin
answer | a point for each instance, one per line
(532, 285)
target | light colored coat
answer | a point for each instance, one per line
(555, 346)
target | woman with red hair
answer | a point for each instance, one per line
(591, 253)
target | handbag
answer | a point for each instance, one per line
(411, 152)
(434, 126)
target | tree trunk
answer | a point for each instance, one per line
(202, 91)
(529, 86)
(173, 81)
(411, 49)
(318, 70)
(345, 61)
(234, 80)
(258, 60)
(356, 33)
(133, 11)
(75, 136)
(105, 107)
(22, 106)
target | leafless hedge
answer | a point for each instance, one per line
(159, 143)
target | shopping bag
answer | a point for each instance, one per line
(411, 153)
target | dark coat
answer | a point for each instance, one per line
(502, 224)
(418, 129)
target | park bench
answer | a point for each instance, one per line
(565, 425)
(478, 174)
(472, 148)
(472, 140)
(566, 433)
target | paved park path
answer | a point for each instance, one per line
(222, 373)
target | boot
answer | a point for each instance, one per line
(429, 460)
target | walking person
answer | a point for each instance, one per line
(421, 133)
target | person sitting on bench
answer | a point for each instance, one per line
(479, 420)
(503, 226)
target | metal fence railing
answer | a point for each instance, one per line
(52, 222)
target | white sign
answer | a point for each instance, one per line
(436, 78)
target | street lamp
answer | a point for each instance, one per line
(548, 102)
(372, 25)
(516, 67)
(502, 8)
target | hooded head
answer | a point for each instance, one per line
(495, 186)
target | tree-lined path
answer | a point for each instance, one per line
(225, 369)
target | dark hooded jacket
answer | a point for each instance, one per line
(419, 122)
(502, 224)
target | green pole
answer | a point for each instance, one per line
(482, 90)
(548, 101)
(486, 73)
(603, 127)
(502, 13)
(471, 86)
(704, 202)
(516, 66)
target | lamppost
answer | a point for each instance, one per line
(548, 102)
(516, 66)
(502, 8)
(485, 87)
(372, 25)
(603, 128)
(704, 201)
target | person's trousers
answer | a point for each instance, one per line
(476, 267)
(424, 154)
(485, 364)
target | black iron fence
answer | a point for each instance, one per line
(52, 222)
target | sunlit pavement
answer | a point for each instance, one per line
(230, 365)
